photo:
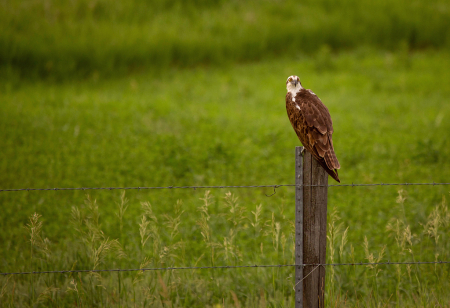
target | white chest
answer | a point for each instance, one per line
(293, 94)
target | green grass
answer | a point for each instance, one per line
(223, 126)
(63, 39)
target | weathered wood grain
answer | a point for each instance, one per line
(314, 231)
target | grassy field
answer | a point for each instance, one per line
(224, 126)
(95, 93)
(63, 39)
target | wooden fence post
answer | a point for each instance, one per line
(310, 230)
(298, 227)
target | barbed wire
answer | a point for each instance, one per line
(219, 186)
(225, 267)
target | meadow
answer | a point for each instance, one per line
(87, 100)
(62, 39)
(223, 126)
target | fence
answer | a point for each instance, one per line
(222, 267)
(275, 186)
(310, 230)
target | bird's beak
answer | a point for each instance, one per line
(295, 82)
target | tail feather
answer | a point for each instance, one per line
(331, 160)
(332, 172)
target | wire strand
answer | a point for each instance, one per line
(222, 267)
(218, 187)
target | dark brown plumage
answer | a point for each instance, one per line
(311, 121)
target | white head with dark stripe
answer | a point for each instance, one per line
(293, 84)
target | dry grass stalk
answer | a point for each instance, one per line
(148, 228)
(139, 274)
(5, 287)
(106, 247)
(229, 249)
(173, 223)
(370, 257)
(123, 205)
(205, 228)
(164, 293)
(439, 217)
(47, 294)
(273, 229)
(236, 213)
(98, 246)
(143, 230)
(256, 222)
(36, 240)
(334, 232)
(237, 304)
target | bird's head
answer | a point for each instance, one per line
(293, 83)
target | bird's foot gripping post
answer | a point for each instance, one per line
(302, 151)
(310, 230)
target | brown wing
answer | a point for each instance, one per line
(314, 127)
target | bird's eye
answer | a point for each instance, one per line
(290, 79)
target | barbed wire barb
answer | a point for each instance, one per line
(274, 192)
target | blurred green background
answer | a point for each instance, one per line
(160, 93)
(82, 37)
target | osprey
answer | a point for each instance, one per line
(311, 121)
